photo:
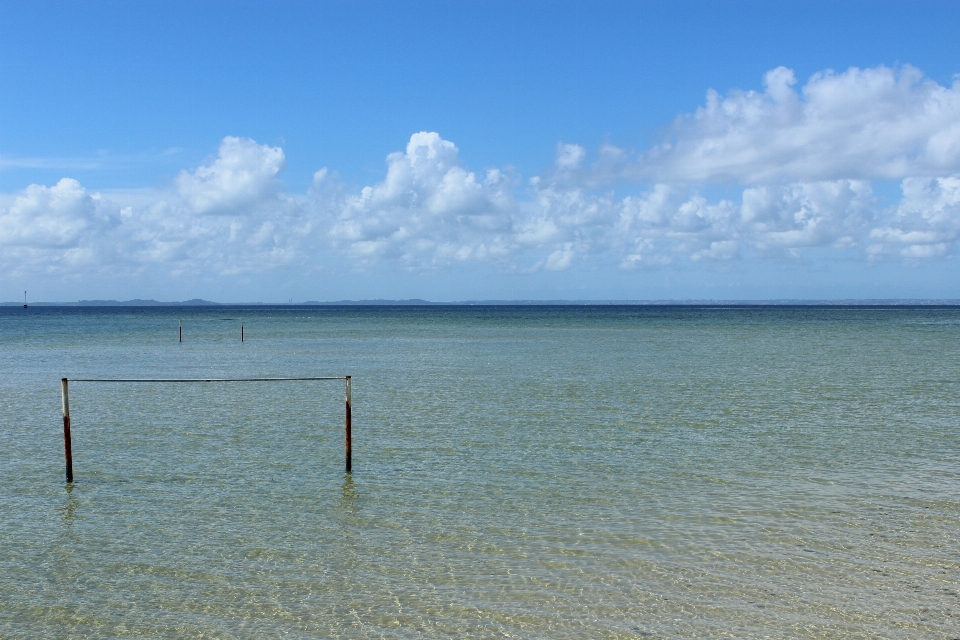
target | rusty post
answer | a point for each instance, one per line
(67, 448)
(347, 425)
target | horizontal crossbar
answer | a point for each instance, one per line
(201, 379)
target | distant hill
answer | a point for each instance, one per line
(196, 302)
(378, 301)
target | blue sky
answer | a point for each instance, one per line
(448, 151)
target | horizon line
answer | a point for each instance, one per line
(199, 302)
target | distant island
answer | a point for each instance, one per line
(196, 302)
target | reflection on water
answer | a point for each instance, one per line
(546, 473)
(348, 495)
(68, 510)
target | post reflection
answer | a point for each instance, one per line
(348, 495)
(68, 510)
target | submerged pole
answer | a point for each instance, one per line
(67, 448)
(241, 329)
(180, 326)
(347, 426)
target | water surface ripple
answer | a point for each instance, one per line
(525, 472)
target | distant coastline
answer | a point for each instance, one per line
(197, 302)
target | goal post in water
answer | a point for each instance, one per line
(65, 399)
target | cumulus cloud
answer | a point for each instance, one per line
(927, 220)
(428, 211)
(55, 216)
(56, 228)
(243, 174)
(669, 223)
(798, 165)
(224, 218)
(861, 124)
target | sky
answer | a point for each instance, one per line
(276, 151)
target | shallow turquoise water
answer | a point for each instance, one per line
(529, 472)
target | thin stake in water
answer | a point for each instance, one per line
(67, 445)
(347, 429)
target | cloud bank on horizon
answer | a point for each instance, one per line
(799, 169)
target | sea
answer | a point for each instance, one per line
(517, 472)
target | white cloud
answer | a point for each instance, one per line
(561, 259)
(670, 223)
(428, 211)
(222, 219)
(862, 124)
(57, 229)
(243, 173)
(268, 234)
(803, 161)
(927, 220)
(55, 216)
